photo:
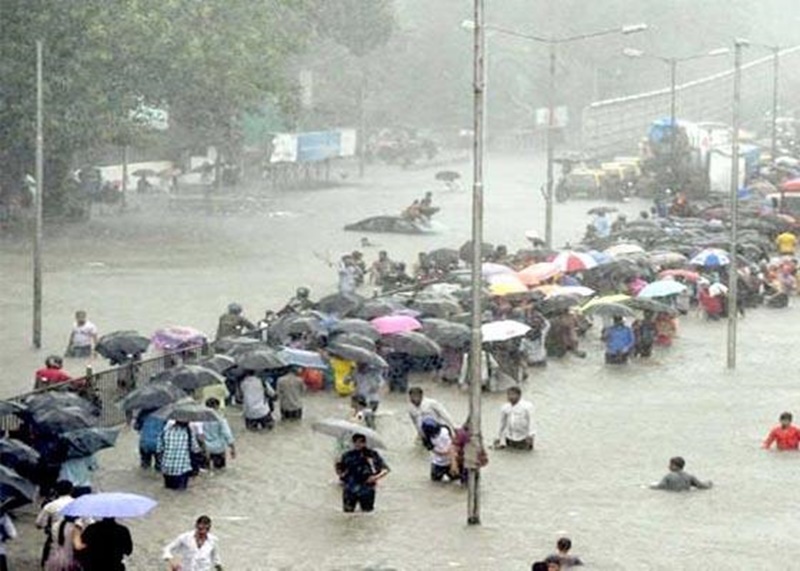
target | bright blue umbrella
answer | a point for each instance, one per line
(109, 504)
(662, 288)
(300, 358)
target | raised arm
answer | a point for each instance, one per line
(770, 438)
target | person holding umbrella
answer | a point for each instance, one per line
(103, 545)
(7, 532)
(360, 469)
(619, 340)
(175, 446)
(198, 549)
(233, 323)
(256, 409)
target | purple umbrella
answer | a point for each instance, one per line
(395, 324)
(109, 504)
(178, 337)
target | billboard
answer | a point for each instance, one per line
(314, 146)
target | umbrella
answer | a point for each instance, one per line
(490, 269)
(341, 304)
(647, 304)
(377, 308)
(447, 176)
(602, 210)
(150, 396)
(710, 258)
(537, 273)
(601, 257)
(446, 333)
(570, 261)
(190, 377)
(120, 345)
(86, 441)
(300, 358)
(40, 402)
(791, 185)
(610, 310)
(357, 354)
(12, 483)
(666, 258)
(343, 429)
(717, 289)
(144, 172)
(444, 257)
(218, 363)
(503, 330)
(230, 344)
(355, 326)
(395, 324)
(557, 290)
(193, 412)
(508, 288)
(436, 306)
(662, 288)
(688, 275)
(412, 343)
(178, 337)
(10, 407)
(616, 298)
(109, 504)
(465, 251)
(355, 339)
(299, 325)
(261, 360)
(58, 420)
(620, 250)
(15, 454)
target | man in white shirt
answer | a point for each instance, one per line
(422, 407)
(83, 337)
(197, 550)
(49, 517)
(517, 429)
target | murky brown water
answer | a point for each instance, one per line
(602, 433)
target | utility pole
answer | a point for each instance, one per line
(673, 92)
(550, 195)
(38, 200)
(733, 274)
(476, 439)
(776, 56)
(124, 186)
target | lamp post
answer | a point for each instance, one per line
(38, 202)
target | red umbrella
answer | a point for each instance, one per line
(791, 185)
(688, 275)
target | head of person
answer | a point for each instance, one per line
(347, 260)
(676, 464)
(618, 320)
(564, 544)
(513, 394)
(359, 441)
(80, 317)
(430, 428)
(415, 395)
(269, 315)
(234, 308)
(501, 251)
(202, 526)
(357, 255)
(383, 255)
(54, 362)
(358, 402)
(540, 566)
(429, 194)
(303, 292)
(63, 488)
(786, 419)
(212, 403)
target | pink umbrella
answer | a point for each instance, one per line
(537, 273)
(178, 337)
(389, 324)
(570, 261)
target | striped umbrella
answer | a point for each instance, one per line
(570, 261)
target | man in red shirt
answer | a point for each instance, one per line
(786, 435)
(51, 373)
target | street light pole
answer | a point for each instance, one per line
(733, 274)
(776, 55)
(673, 92)
(38, 203)
(550, 195)
(475, 443)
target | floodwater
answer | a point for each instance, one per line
(603, 433)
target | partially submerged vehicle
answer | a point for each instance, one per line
(394, 225)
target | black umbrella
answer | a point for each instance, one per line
(261, 360)
(354, 339)
(12, 484)
(447, 176)
(187, 411)
(444, 257)
(436, 306)
(465, 251)
(341, 304)
(119, 346)
(58, 399)
(17, 455)
(86, 441)
(240, 350)
(610, 310)
(356, 326)
(446, 333)
(218, 363)
(63, 419)
(379, 307)
(357, 354)
(150, 396)
(412, 343)
(190, 377)
(228, 344)
(10, 407)
(646, 304)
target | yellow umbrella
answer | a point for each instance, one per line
(615, 298)
(507, 288)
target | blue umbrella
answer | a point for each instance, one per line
(711, 258)
(109, 504)
(300, 358)
(662, 288)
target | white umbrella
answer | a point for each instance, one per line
(503, 330)
(621, 250)
(342, 428)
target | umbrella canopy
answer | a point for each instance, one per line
(12, 483)
(610, 310)
(508, 288)
(379, 307)
(465, 251)
(109, 504)
(647, 304)
(446, 333)
(557, 290)
(119, 346)
(344, 429)
(616, 298)
(444, 257)
(601, 257)
(58, 420)
(341, 304)
(666, 259)
(261, 360)
(447, 176)
(218, 363)
(178, 337)
(86, 441)
(299, 325)
(662, 288)
(435, 305)
(17, 455)
(150, 396)
(357, 354)
(570, 261)
(503, 330)
(230, 344)
(412, 343)
(358, 326)
(791, 185)
(717, 289)
(688, 275)
(300, 358)
(490, 269)
(711, 258)
(48, 400)
(186, 410)
(621, 250)
(537, 273)
(355, 339)
(11, 407)
(190, 377)
(395, 324)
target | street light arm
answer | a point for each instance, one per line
(631, 29)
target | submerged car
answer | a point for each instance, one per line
(393, 224)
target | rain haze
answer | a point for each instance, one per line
(175, 165)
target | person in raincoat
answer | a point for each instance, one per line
(233, 323)
(342, 376)
(619, 342)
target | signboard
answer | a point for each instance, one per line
(284, 148)
(348, 143)
(313, 147)
(317, 146)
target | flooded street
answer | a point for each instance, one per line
(602, 433)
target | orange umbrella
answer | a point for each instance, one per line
(537, 273)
